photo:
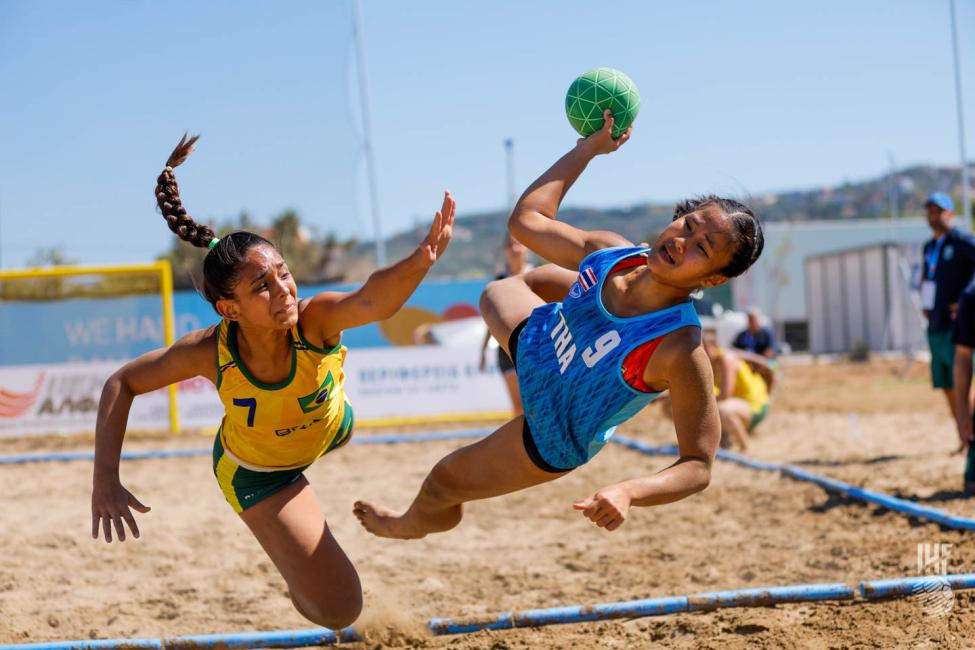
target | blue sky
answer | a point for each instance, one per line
(738, 98)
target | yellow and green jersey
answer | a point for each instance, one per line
(749, 386)
(268, 427)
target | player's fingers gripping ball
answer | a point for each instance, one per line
(595, 91)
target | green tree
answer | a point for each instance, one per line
(312, 260)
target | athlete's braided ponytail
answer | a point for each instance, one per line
(222, 264)
(167, 196)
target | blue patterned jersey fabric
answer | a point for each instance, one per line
(570, 364)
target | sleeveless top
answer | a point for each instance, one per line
(268, 427)
(570, 363)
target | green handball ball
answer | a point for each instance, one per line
(595, 91)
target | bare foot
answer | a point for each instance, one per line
(383, 522)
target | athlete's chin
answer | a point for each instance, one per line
(658, 266)
(663, 270)
(284, 321)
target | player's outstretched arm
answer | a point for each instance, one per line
(698, 428)
(386, 290)
(533, 221)
(191, 356)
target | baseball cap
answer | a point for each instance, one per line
(941, 200)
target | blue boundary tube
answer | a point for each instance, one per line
(760, 597)
(279, 639)
(382, 439)
(562, 615)
(444, 626)
(765, 596)
(892, 503)
(900, 587)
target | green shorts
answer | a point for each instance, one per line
(942, 359)
(757, 417)
(244, 487)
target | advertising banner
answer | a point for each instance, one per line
(407, 382)
(117, 329)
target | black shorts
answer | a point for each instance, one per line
(505, 364)
(526, 435)
(513, 342)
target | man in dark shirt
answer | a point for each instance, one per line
(756, 338)
(947, 265)
(963, 336)
(756, 345)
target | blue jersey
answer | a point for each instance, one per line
(570, 364)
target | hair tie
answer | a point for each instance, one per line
(213, 243)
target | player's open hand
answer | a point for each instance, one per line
(441, 230)
(110, 505)
(602, 140)
(607, 508)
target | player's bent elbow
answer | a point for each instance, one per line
(518, 223)
(705, 480)
(701, 477)
(117, 385)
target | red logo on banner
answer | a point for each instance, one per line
(13, 404)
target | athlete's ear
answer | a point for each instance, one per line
(227, 309)
(715, 280)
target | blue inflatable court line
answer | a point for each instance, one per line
(765, 596)
(278, 639)
(892, 503)
(393, 438)
(561, 615)
(672, 450)
(740, 459)
(443, 626)
(17, 459)
(759, 597)
(899, 587)
(383, 439)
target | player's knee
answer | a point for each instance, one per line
(489, 296)
(495, 290)
(332, 610)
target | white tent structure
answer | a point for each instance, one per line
(863, 299)
(777, 283)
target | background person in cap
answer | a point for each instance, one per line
(963, 337)
(947, 265)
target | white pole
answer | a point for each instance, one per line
(965, 194)
(892, 187)
(367, 132)
(509, 146)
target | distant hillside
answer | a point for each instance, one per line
(475, 250)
